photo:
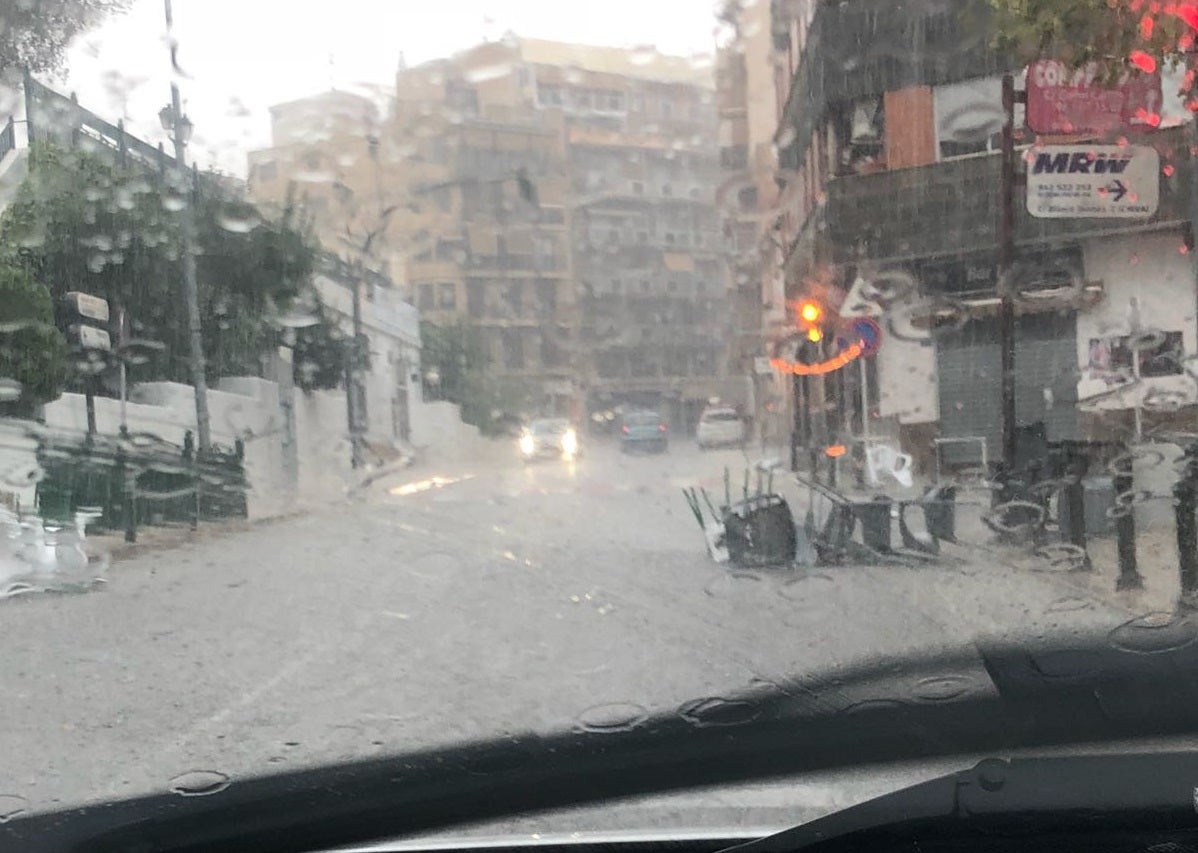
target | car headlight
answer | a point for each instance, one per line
(570, 442)
(527, 445)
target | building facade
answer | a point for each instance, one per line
(888, 142)
(557, 199)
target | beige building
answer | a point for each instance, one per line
(605, 284)
(747, 69)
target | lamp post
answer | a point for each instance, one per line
(180, 127)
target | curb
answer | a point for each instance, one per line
(122, 551)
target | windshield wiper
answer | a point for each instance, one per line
(1138, 682)
(1062, 796)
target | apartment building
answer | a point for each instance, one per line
(504, 173)
(890, 125)
(747, 100)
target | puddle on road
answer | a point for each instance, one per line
(428, 485)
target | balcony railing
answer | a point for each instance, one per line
(515, 261)
(951, 208)
(8, 138)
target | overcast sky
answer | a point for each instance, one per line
(241, 56)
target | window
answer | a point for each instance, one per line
(515, 299)
(957, 109)
(476, 298)
(513, 349)
(549, 96)
(1110, 357)
(426, 300)
(447, 296)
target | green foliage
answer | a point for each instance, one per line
(1078, 32)
(35, 33)
(32, 350)
(319, 353)
(456, 354)
(84, 222)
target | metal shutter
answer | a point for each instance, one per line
(970, 382)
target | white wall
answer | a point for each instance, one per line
(907, 381)
(18, 456)
(393, 328)
(1152, 269)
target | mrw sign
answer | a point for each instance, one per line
(1093, 181)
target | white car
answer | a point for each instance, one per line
(720, 426)
(549, 437)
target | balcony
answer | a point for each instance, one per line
(516, 262)
(951, 208)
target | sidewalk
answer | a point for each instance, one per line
(157, 539)
(1156, 544)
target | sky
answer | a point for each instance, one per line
(240, 56)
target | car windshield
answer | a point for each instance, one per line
(549, 427)
(320, 330)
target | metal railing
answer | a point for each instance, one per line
(139, 480)
(947, 209)
(56, 118)
(8, 138)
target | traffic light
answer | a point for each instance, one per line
(810, 316)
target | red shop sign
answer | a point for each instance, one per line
(1061, 100)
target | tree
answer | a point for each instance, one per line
(1107, 32)
(454, 355)
(34, 34)
(33, 353)
(82, 221)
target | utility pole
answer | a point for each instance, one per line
(1006, 261)
(180, 128)
(355, 398)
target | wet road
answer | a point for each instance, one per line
(505, 598)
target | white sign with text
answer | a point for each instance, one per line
(1100, 181)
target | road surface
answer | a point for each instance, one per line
(502, 598)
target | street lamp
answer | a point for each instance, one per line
(180, 127)
(167, 117)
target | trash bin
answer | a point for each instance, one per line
(875, 522)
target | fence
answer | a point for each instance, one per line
(138, 480)
(8, 138)
(56, 118)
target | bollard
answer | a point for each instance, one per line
(128, 511)
(1187, 534)
(1073, 496)
(1125, 537)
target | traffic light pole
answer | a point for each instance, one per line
(1006, 261)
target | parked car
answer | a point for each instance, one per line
(549, 437)
(720, 426)
(644, 431)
